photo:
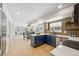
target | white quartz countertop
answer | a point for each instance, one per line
(51, 35)
(62, 50)
(40, 34)
(74, 38)
(62, 36)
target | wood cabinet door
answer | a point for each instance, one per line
(76, 14)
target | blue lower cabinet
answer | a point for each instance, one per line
(53, 44)
(39, 40)
(48, 40)
(42, 39)
(51, 40)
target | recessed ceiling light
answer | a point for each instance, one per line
(18, 13)
(60, 6)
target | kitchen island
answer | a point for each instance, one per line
(38, 40)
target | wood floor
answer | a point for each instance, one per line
(20, 47)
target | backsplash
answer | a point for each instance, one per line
(72, 34)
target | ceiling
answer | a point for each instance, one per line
(25, 13)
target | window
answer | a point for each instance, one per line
(56, 26)
(39, 28)
(19, 30)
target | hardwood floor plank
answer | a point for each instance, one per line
(20, 47)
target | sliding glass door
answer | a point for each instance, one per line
(2, 31)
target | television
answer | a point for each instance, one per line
(76, 14)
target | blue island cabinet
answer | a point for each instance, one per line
(39, 40)
(42, 39)
(51, 40)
